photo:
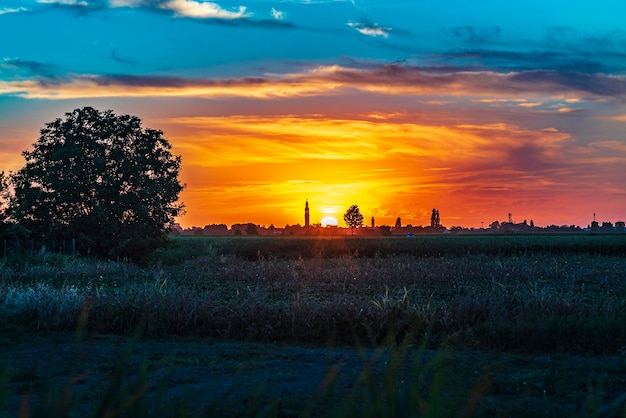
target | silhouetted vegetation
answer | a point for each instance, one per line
(101, 179)
(353, 217)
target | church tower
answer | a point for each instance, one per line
(306, 213)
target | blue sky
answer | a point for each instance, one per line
(476, 108)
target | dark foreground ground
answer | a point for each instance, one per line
(254, 379)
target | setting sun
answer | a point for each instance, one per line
(329, 221)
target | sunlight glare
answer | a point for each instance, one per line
(329, 221)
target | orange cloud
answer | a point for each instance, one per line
(242, 168)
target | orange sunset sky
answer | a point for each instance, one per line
(396, 107)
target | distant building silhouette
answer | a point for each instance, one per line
(398, 223)
(373, 223)
(306, 213)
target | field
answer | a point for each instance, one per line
(468, 325)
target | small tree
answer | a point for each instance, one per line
(353, 218)
(435, 221)
(102, 179)
(251, 229)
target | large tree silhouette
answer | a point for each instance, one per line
(99, 177)
(353, 217)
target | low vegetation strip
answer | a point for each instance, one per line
(553, 300)
(438, 245)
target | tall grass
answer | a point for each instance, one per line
(396, 382)
(526, 302)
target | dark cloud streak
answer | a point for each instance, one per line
(562, 49)
(597, 84)
(473, 35)
(115, 56)
(170, 82)
(29, 68)
(547, 60)
(395, 77)
(245, 22)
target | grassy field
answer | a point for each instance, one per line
(537, 294)
(521, 293)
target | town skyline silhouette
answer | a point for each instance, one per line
(372, 229)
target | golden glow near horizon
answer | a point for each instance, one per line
(262, 168)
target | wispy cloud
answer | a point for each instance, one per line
(180, 8)
(370, 29)
(127, 3)
(278, 15)
(203, 10)
(81, 3)
(6, 10)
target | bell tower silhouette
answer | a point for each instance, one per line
(306, 213)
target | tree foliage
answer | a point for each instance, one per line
(4, 198)
(9, 229)
(251, 229)
(435, 220)
(102, 179)
(353, 217)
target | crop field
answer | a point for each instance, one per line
(560, 296)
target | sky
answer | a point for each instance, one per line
(478, 109)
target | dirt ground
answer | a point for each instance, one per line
(234, 377)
